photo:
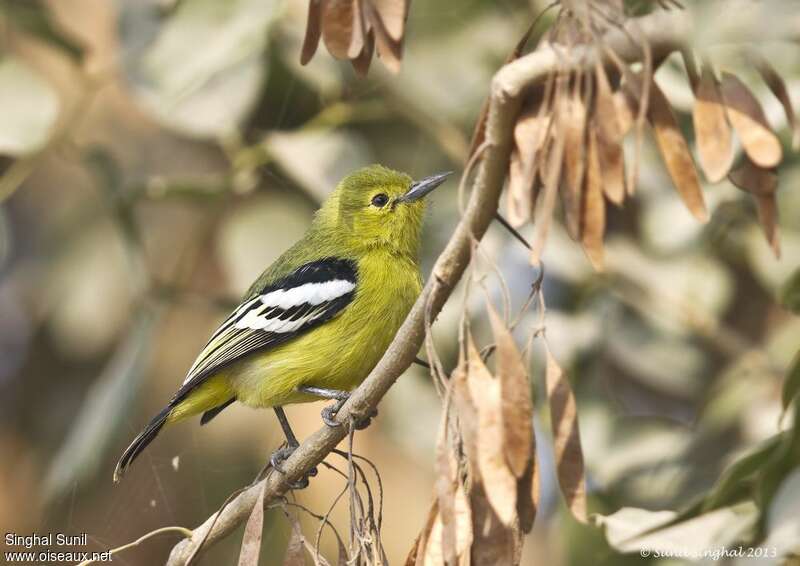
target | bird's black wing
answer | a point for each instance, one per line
(306, 298)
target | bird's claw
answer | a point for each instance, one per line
(329, 416)
(280, 456)
(329, 413)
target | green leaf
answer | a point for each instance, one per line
(791, 384)
(30, 108)
(790, 292)
(201, 70)
(736, 481)
(34, 18)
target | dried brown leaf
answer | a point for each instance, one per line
(612, 122)
(390, 50)
(593, 206)
(747, 117)
(251, 541)
(530, 132)
(626, 111)
(566, 438)
(462, 529)
(467, 412)
(339, 26)
(393, 15)
(499, 483)
(416, 556)
(675, 152)
(767, 208)
(362, 62)
(778, 87)
(543, 215)
(493, 542)
(528, 495)
(711, 129)
(313, 31)
(762, 184)
(445, 495)
(515, 392)
(572, 120)
(295, 550)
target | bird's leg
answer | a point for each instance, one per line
(329, 412)
(281, 454)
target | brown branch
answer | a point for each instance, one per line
(665, 32)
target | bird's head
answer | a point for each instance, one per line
(378, 207)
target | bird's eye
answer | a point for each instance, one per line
(380, 200)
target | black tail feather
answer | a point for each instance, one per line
(211, 413)
(140, 442)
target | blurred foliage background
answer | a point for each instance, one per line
(157, 154)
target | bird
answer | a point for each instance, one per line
(318, 320)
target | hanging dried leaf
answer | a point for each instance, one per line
(499, 483)
(762, 184)
(338, 27)
(493, 543)
(566, 438)
(528, 495)
(313, 30)
(362, 62)
(675, 151)
(462, 529)
(778, 87)
(445, 495)
(544, 210)
(251, 541)
(747, 117)
(295, 550)
(416, 556)
(572, 120)
(626, 112)
(515, 395)
(593, 206)
(389, 49)
(530, 132)
(711, 129)
(467, 412)
(393, 15)
(611, 124)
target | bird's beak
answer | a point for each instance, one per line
(419, 189)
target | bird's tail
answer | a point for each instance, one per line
(212, 395)
(140, 442)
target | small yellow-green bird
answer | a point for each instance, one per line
(317, 321)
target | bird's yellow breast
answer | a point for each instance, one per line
(340, 353)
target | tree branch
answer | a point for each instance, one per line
(665, 32)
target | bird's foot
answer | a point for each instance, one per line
(329, 416)
(280, 456)
(329, 413)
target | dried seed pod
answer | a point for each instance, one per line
(711, 129)
(338, 25)
(778, 87)
(675, 151)
(572, 115)
(762, 184)
(530, 133)
(593, 206)
(566, 439)
(313, 31)
(610, 123)
(747, 117)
